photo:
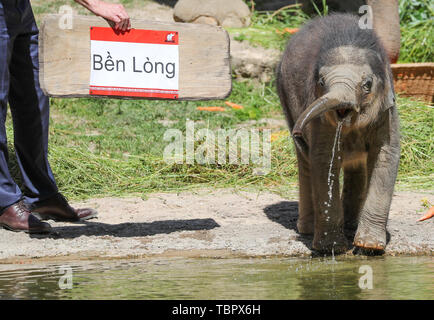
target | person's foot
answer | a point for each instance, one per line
(58, 209)
(18, 218)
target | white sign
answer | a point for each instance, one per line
(137, 63)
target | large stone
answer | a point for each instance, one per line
(152, 11)
(227, 13)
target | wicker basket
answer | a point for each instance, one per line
(415, 80)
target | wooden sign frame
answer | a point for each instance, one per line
(64, 57)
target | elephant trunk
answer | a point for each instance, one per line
(334, 100)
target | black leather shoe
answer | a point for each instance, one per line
(18, 218)
(58, 209)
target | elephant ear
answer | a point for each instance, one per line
(390, 99)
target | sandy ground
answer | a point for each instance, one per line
(222, 223)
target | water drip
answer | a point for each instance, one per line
(330, 180)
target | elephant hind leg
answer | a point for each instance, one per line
(305, 222)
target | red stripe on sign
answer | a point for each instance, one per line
(133, 92)
(134, 35)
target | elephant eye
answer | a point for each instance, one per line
(321, 81)
(367, 85)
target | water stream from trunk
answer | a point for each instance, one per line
(331, 177)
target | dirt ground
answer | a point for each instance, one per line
(221, 223)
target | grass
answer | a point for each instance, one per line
(266, 29)
(107, 147)
(416, 168)
(417, 30)
(101, 147)
(115, 147)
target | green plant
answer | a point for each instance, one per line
(417, 30)
(325, 8)
(267, 28)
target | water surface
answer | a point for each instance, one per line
(271, 278)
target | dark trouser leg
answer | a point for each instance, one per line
(30, 113)
(9, 191)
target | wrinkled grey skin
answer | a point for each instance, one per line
(332, 71)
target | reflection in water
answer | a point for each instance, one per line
(330, 280)
(273, 278)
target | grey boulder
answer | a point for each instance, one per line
(226, 13)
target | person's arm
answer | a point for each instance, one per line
(112, 12)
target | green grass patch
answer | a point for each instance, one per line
(417, 31)
(102, 147)
(416, 168)
(267, 28)
(115, 147)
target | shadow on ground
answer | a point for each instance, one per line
(170, 3)
(286, 214)
(142, 229)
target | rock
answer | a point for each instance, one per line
(207, 20)
(253, 62)
(227, 13)
(152, 11)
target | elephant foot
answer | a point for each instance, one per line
(367, 238)
(305, 227)
(328, 242)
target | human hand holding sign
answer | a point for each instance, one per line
(114, 13)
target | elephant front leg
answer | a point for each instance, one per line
(353, 194)
(382, 171)
(329, 218)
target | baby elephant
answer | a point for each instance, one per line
(336, 89)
